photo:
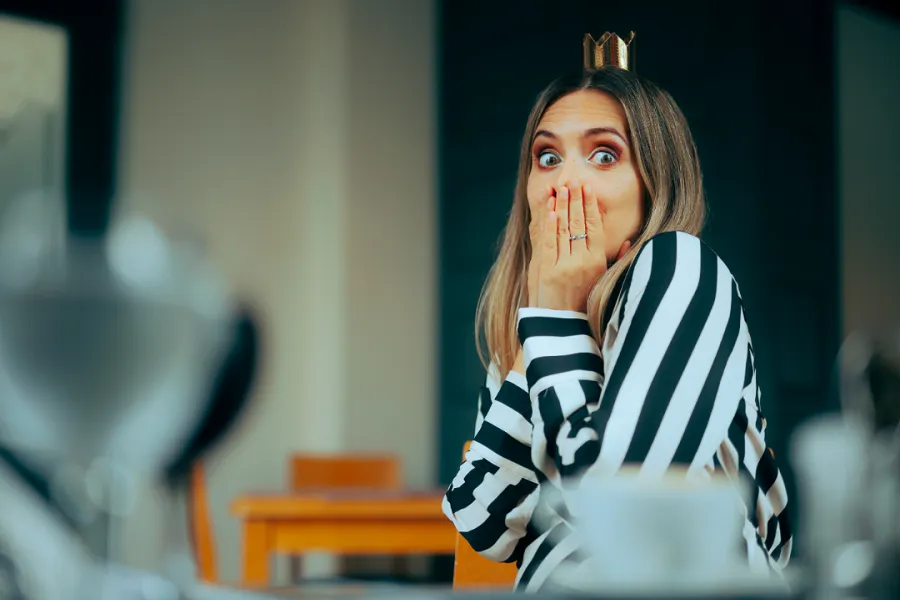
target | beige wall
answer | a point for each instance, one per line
(297, 139)
(869, 159)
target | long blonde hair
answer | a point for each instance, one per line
(670, 171)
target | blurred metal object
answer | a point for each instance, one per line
(848, 468)
(830, 458)
(870, 379)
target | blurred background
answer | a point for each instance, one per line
(349, 164)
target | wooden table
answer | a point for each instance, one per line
(347, 523)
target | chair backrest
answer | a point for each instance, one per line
(200, 530)
(345, 471)
(473, 571)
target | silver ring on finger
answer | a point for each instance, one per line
(580, 236)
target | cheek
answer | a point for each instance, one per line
(623, 204)
(537, 190)
(621, 226)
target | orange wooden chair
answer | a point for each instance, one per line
(200, 531)
(369, 472)
(471, 571)
(345, 472)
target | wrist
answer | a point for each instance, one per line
(562, 305)
(548, 299)
(569, 307)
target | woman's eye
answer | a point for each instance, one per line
(548, 159)
(603, 157)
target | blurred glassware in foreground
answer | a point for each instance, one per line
(107, 347)
(110, 352)
(660, 537)
(870, 381)
(848, 469)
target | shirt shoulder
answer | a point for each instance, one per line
(675, 259)
(670, 266)
(678, 246)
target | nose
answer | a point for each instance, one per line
(570, 171)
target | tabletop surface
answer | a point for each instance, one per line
(377, 592)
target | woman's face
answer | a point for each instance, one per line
(582, 139)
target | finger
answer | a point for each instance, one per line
(548, 202)
(592, 219)
(538, 213)
(541, 207)
(534, 227)
(549, 249)
(576, 217)
(531, 280)
(562, 220)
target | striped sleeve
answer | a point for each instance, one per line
(665, 386)
(746, 456)
(494, 493)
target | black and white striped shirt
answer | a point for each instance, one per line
(673, 385)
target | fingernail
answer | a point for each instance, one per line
(550, 203)
(576, 183)
(587, 189)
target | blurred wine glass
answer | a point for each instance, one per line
(108, 349)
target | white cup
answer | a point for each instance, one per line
(640, 530)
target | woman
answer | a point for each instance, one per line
(615, 337)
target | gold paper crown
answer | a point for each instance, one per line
(609, 50)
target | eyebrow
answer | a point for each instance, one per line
(587, 133)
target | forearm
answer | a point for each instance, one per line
(490, 500)
(564, 374)
(491, 507)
